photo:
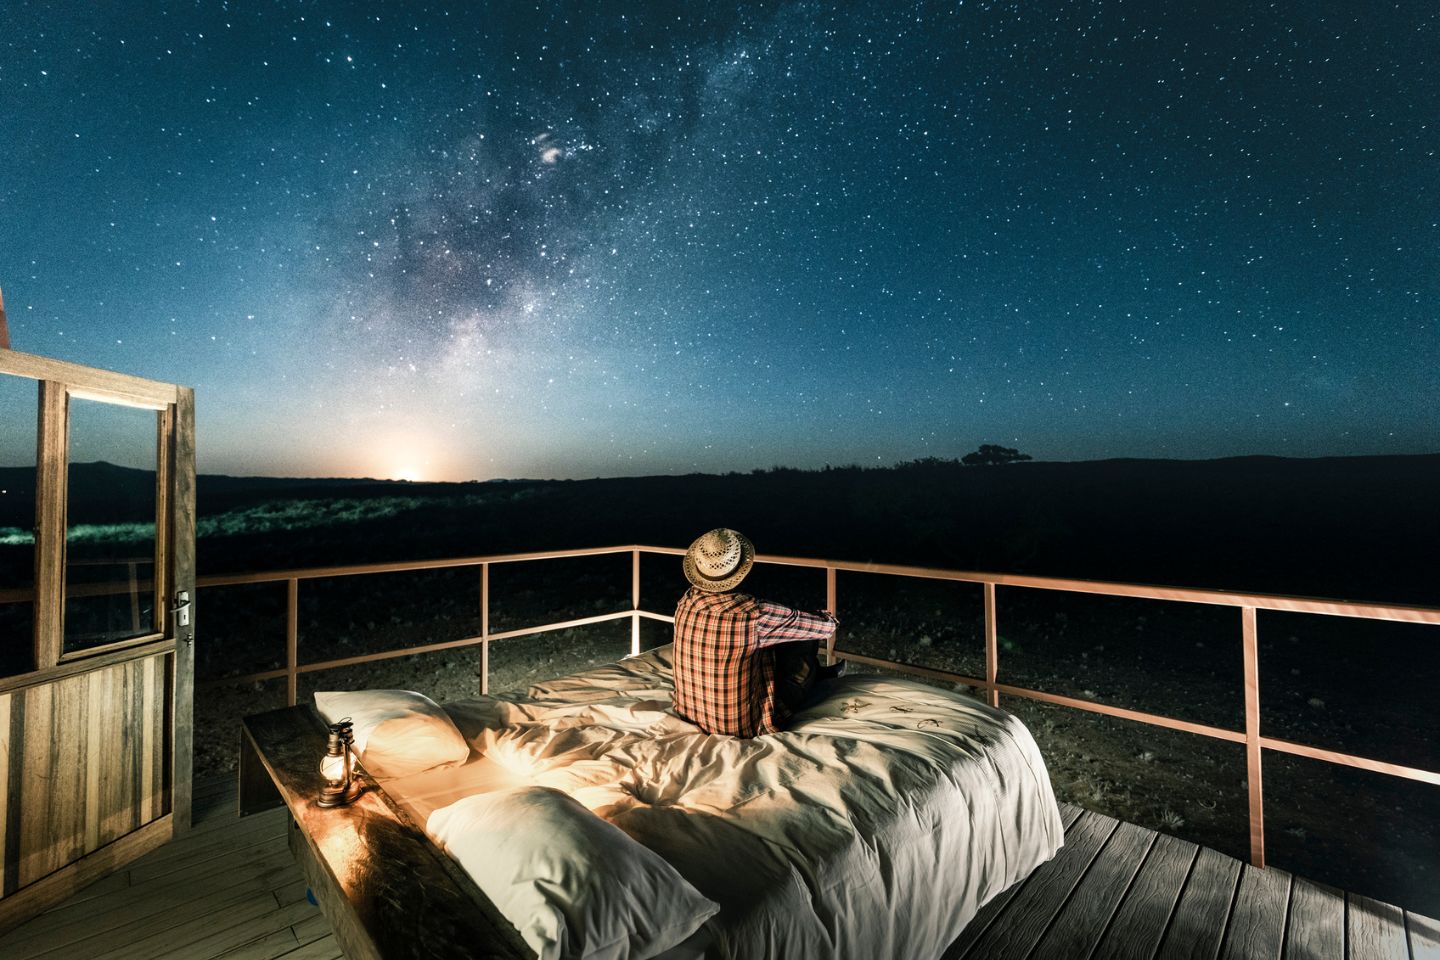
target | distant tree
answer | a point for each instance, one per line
(993, 455)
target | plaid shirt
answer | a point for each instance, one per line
(724, 675)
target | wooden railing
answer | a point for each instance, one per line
(292, 579)
(1247, 603)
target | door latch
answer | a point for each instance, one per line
(181, 609)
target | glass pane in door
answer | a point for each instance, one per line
(110, 534)
(19, 402)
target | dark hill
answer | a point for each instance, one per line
(1344, 527)
(1350, 527)
(103, 492)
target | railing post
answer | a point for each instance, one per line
(1252, 735)
(635, 602)
(292, 637)
(484, 629)
(50, 500)
(992, 648)
(830, 608)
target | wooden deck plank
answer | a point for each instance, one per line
(1316, 927)
(231, 928)
(1424, 936)
(1377, 930)
(104, 885)
(136, 891)
(997, 904)
(206, 919)
(196, 903)
(1019, 928)
(224, 819)
(1087, 913)
(213, 788)
(238, 934)
(153, 897)
(312, 928)
(212, 842)
(103, 895)
(1198, 924)
(291, 891)
(265, 865)
(146, 936)
(259, 846)
(268, 947)
(251, 843)
(1257, 921)
(1140, 923)
(325, 948)
(177, 871)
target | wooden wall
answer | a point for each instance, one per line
(83, 762)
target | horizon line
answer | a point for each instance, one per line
(774, 468)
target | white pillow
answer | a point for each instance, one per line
(574, 885)
(397, 732)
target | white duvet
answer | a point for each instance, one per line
(874, 827)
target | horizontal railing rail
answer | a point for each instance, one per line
(1260, 601)
(1247, 603)
(292, 578)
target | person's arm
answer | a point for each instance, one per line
(778, 623)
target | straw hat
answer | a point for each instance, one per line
(717, 561)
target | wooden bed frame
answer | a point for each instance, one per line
(387, 890)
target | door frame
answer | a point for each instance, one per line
(58, 381)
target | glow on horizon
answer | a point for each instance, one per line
(415, 455)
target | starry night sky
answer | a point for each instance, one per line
(575, 239)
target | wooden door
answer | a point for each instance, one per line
(96, 640)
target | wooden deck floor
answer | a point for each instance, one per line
(1121, 892)
(228, 890)
(1115, 892)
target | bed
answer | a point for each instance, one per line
(875, 826)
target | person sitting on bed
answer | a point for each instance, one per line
(742, 665)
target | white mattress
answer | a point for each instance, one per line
(875, 826)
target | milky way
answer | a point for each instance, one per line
(578, 239)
